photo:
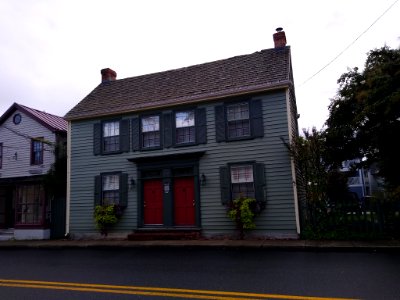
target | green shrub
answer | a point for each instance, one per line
(243, 211)
(105, 216)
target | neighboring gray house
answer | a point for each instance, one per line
(27, 142)
(173, 148)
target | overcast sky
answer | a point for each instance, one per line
(51, 52)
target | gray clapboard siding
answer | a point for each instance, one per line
(17, 139)
(277, 218)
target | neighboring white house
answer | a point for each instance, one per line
(362, 181)
(27, 142)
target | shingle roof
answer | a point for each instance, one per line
(52, 122)
(260, 71)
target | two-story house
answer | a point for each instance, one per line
(28, 138)
(174, 148)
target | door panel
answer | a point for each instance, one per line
(184, 202)
(153, 202)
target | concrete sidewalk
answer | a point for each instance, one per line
(378, 245)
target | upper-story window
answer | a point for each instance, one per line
(36, 151)
(169, 129)
(150, 131)
(111, 136)
(238, 120)
(185, 127)
(1, 155)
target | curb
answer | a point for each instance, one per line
(289, 245)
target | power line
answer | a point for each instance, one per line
(337, 56)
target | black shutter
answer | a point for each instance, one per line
(124, 135)
(97, 190)
(220, 123)
(225, 185)
(168, 128)
(201, 126)
(97, 139)
(135, 134)
(123, 189)
(256, 118)
(259, 182)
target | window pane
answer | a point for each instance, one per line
(110, 182)
(111, 143)
(241, 174)
(151, 124)
(30, 205)
(243, 190)
(151, 139)
(238, 112)
(110, 193)
(110, 129)
(184, 119)
(185, 135)
(238, 128)
(37, 152)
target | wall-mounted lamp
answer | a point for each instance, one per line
(203, 179)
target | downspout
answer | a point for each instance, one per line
(67, 213)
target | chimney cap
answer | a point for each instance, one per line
(279, 29)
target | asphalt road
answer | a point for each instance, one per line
(183, 273)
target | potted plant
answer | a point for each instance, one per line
(243, 211)
(106, 216)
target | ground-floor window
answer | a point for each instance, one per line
(30, 204)
(242, 180)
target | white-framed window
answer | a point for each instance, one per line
(110, 189)
(37, 151)
(185, 127)
(242, 181)
(150, 131)
(111, 136)
(238, 120)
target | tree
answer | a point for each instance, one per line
(364, 116)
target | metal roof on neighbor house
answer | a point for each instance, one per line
(244, 74)
(52, 122)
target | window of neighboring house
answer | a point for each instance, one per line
(37, 151)
(150, 131)
(185, 127)
(1, 155)
(111, 137)
(30, 205)
(238, 120)
(110, 189)
(242, 181)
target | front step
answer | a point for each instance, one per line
(163, 234)
(6, 234)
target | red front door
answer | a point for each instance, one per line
(184, 202)
(153, 202)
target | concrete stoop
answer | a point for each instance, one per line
(163, 234)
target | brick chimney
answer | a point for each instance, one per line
(279, 38)
(108, 75)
